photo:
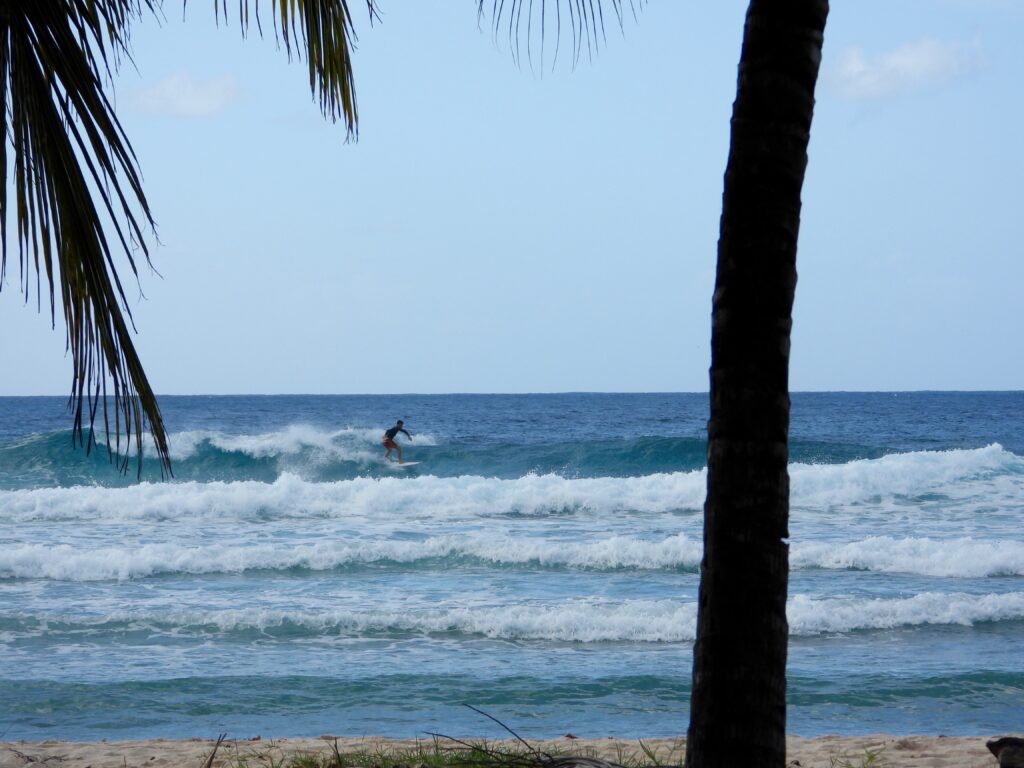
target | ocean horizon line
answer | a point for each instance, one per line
(551, 393)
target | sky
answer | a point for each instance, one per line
(502, 227)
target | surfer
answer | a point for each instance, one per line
(389, 440)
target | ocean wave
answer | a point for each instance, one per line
(319, 455)
(290, 496)
(573, 621)
(906, 475)
(986, 476)
(348, 444)
(941, 558)
(811, 616)
(294, 440)
(955, 558)
(821, 474)
(73, 563)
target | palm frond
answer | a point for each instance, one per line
(323, 33)
(78, 198)
(75, 178)
(527, 24)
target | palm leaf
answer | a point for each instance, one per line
(78, 197)
(77, 188)
(323, 32)
(529, 21)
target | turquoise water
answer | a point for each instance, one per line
(540, 563)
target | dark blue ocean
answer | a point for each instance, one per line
(540, 562)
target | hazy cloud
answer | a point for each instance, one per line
(926, 63)
(181, 95)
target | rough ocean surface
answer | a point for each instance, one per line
(540, 563)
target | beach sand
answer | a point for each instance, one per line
(822, 752)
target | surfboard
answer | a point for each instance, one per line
(407, 464)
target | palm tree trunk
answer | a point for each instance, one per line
(738, 706)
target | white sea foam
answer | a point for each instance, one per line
(348, 444)
(988, 476)
(595, 523)
(583, 620)
(75, 563)
(955, 558)
(586, 620)
(809, 616)
(903, 475)
(290, 496)
(343, 445)
(983, 476)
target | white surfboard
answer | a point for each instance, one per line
(407, 464)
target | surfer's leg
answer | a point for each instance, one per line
(398, 450)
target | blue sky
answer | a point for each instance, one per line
(495, 230)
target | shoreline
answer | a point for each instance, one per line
(893, 751)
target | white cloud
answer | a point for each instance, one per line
(181, 96)
(926, 63)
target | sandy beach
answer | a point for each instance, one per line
(822, 752)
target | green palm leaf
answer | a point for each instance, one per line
(78, 197)
(527, 22)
